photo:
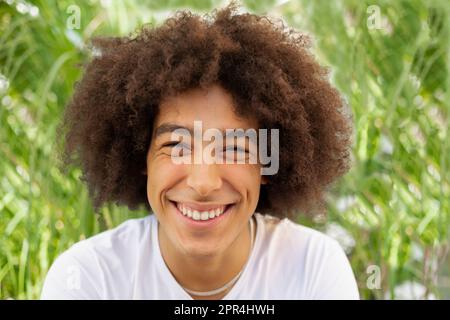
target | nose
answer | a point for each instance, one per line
(204, 178)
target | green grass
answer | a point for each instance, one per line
(394, 202)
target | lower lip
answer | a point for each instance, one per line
(203, 223)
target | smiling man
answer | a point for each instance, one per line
(203, 209)
(222, 227)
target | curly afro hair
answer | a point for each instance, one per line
(266, 67)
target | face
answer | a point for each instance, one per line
(225, 194)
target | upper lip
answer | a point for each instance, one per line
(202, 206)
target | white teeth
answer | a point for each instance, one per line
(200, 215)
(204, 215)
(196, 215)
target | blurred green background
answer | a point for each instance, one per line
(390, 59)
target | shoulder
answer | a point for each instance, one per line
(123, 236)
(310, 260)
(82, 271)
(296, 238)
(115, 245)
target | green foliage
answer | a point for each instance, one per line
(393, 72)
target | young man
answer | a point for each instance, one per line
(150, 121)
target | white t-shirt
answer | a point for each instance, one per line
(288, 261)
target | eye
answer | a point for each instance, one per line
(170, 144)
(181, 149)
(234, 153)
(236, 148)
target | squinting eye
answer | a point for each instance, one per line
(170, 144)
(178, 146)
(238, 149)
(175, 144)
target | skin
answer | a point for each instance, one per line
(207, 258)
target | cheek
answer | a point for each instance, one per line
(244, 178)
(163, 174)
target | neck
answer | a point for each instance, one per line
(205, 273)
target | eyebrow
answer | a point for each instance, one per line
(170, 127)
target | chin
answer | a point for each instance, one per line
(200, 251)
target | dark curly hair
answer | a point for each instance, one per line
(266, 67)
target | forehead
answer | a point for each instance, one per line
(213, 106)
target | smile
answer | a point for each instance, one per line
(201, 213)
